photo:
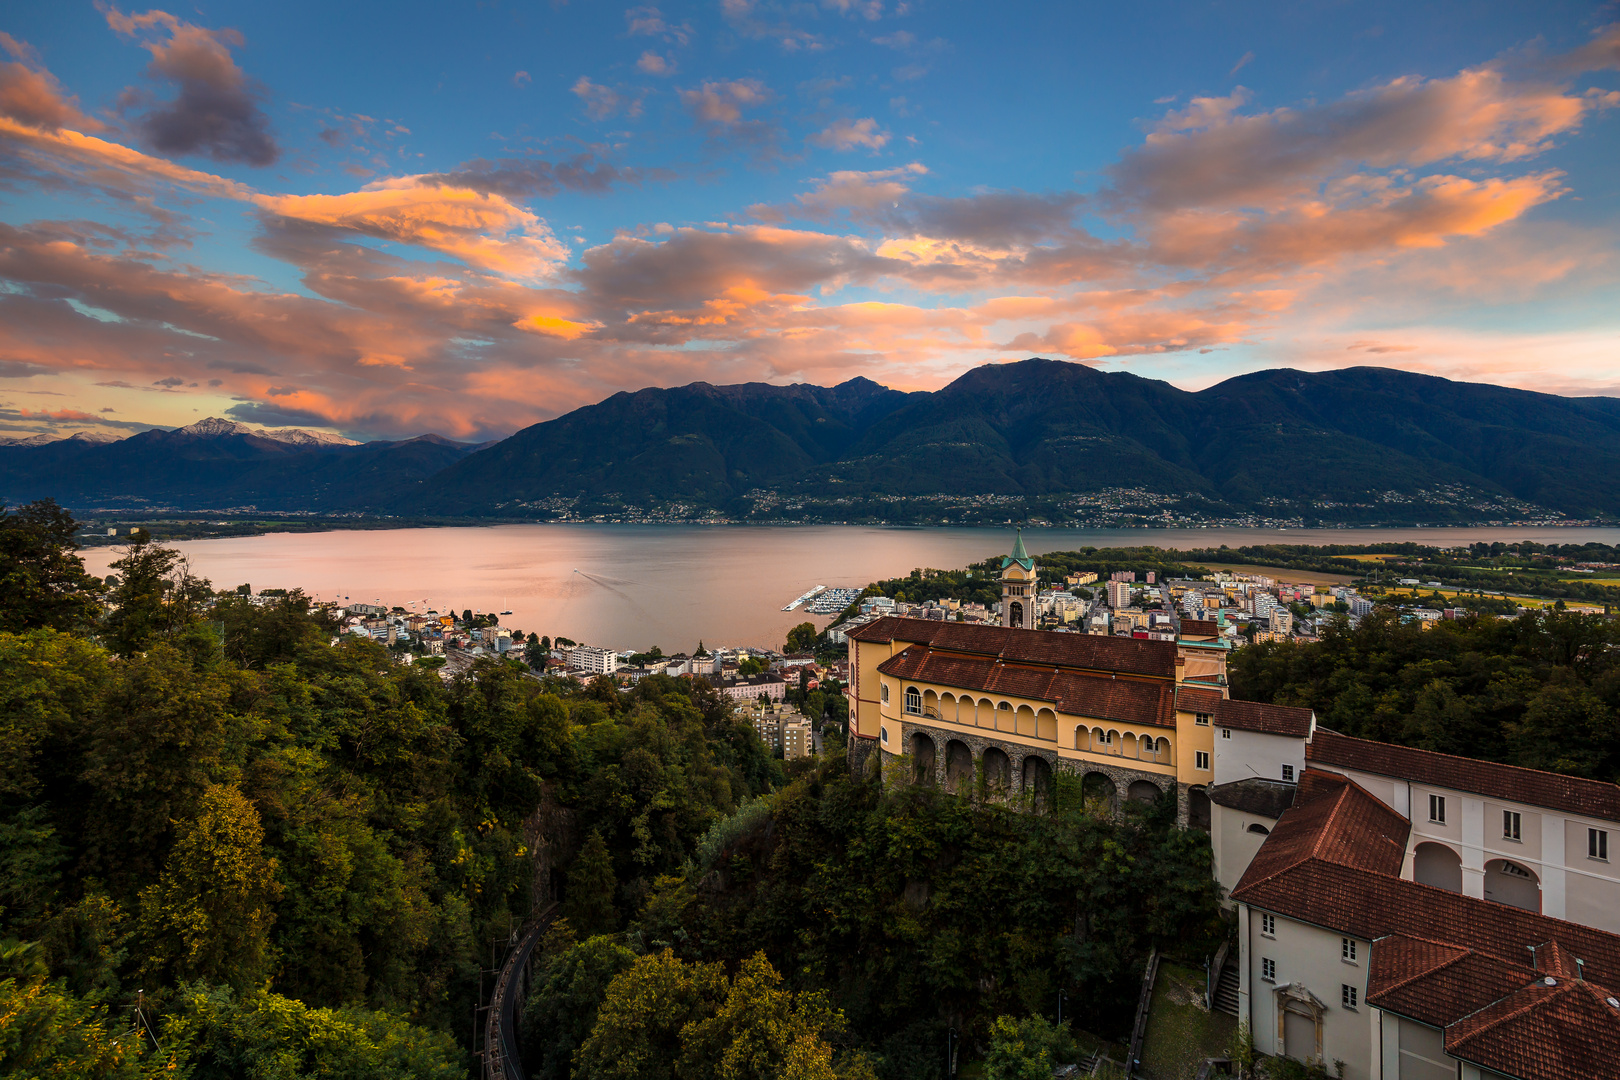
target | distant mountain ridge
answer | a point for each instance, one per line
(1038, 438)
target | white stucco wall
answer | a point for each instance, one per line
(1311, 956)
(1247, 754)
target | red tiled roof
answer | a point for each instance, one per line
(1135, 656)
(1196, 699)
(1200, 628)
(1570, 794)
(1335, 820)
(1267, 719)
(1563, 1032)
(1436, 983)
(1129, 701)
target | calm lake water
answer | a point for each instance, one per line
(635, 586)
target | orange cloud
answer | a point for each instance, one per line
(484, 230)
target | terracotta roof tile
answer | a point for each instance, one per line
(1197, 699)
(1437, 983)
(1566, 1031)
(1130, 701)
(1268, 719)
(1136, 656)
(1200, 628)
(1335, 820)
(1571, 794)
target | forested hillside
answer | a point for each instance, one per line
(230, 848)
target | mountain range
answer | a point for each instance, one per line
(1040, 438)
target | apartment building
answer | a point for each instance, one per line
(592, 660)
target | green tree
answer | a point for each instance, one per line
(801, 638)
(229, 1034)
(591, 889)
(639, 1023)
(45, 1030)
(1027, 1049)
(562, 1007)
(42, 579)
(760, 1031)
(209, 915)
(156, 595)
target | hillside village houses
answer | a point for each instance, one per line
(1399, 914)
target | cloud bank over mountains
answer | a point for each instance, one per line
(451, 300)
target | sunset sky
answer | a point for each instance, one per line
(389, 219)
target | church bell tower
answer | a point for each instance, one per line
(1018, 588)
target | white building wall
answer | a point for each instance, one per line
(1242, 755)
(1233, 844)
(1310, 956)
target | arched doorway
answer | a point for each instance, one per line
(1437, 865)
(997, 770)
(958, 767)
(1143, 791)
(922, 758)
(1015, 613)
(1098, 790)
(1511, 884)
(1037, 779)
(1198, 808)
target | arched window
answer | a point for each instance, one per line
(1261, 829)
(913, 700)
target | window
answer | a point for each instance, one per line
(1510, 825)
(913, 700)
(1288, 773)
(885, 734)
(1347, 950)
(885, 694)
(1201, 719)
(1437, 809)
(1268, 925)
(1259, 829)
(1226, 733)
(1268, 969)
(1200, 760)
(1347, 995)
(1597, 844)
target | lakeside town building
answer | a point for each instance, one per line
(1400, 914)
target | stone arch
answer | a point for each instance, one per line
(1198, 813)
(1513, 884)
(958, 767)
(1024, 720)
(1437, 865)
(1099, 786)
(1145, 747)
(1004, 717)
(1037, 779)
(913, 701)
(930, 703)
(1046, 725)
(1015, 613)
(923, 754)
(1143, 791)
(997, 769)
(985, 713)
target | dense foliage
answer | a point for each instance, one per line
(299, 851)
(1541, 691)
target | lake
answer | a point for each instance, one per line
(635, 586)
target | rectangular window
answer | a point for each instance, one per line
(1226, 733)
(1268, 925)
(1268, 969)
(1347, 949)
(1510, 825)
(1347, 994)
(1597, 844)
(1288, 773)
(1201, 719)
(1437, 809)
(1200, 760)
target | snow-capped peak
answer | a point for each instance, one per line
(214, 427)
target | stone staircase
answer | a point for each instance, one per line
(1226, 991)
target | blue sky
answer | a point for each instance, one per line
(387, 219)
